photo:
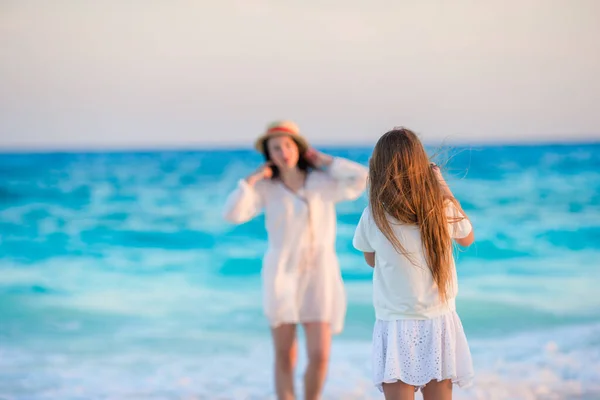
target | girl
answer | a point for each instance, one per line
(297, 188)
(406, 234)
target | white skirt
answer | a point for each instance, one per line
(418, 351)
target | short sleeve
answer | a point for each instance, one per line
(361, 234)
(460, 226)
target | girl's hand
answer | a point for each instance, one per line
(318, 159)
(448, 193)
(263, 172)
(438, 174)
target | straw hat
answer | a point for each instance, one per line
(282, 128)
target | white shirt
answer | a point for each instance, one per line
(301, 275)
(403, 289)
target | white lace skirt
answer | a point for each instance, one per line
(418, 351)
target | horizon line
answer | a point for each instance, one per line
(220, 147)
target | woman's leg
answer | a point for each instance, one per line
(438, 390)
(318, 342)
(286, 350)
(398, 391)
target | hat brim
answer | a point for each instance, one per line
(302, 143)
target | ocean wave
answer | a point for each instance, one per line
(120, 279)
(549, 365)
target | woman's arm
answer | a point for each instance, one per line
(349, 178)
(246, 201)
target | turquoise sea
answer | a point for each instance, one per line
(120, 280)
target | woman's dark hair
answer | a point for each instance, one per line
(303, 163)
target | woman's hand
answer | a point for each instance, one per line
(318, 159)
(263, 172)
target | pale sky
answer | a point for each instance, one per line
(108, 73)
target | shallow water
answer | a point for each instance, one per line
(119, 279)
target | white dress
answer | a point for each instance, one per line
(301, 276)
(417, 337)
(416, 351)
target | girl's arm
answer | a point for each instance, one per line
(467, 240)
(370, 259)
(459, 227)
(362, 234)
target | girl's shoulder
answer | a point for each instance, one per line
(451, 210)
(366, 218)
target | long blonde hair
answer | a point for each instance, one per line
(403, 185)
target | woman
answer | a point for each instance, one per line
(297, 188)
